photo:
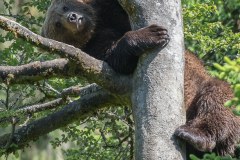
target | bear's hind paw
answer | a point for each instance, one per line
(196, 138)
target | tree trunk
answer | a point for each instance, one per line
(157, 96)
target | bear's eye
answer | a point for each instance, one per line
(58, 24)
(65, 9)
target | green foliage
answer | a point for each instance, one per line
(213, 40)
(212, 156)
(230, 72)
(106, 136)
(206, 36)
(227, 11)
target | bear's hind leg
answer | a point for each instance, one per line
(197, 137)
(207, 136)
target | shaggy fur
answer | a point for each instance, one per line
(210, 126)
(101, 28)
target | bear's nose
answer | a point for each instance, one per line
(74, 17)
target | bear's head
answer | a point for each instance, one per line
(70, 21)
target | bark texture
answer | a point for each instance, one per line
(157, 96)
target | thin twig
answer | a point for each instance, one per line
(42, 107)
(80, 91)
(27, 120)
(130, 131)
(14, 122)
(51, 88)
(7, 97)
(77, 110)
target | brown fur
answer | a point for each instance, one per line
(105, 34)
(210, 126)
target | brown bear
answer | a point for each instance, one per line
(101, 28)
(210, 126)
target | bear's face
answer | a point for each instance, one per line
(70, 21)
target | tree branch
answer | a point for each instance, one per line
(14, 121)
(36, 71)
(45, 106)
(76, 110)
(80, 91)
(62, 100)
(77, 91)
(94, 70)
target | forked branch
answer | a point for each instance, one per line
(77, 110)
(94, 70)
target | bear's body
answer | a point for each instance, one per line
(210, 126)
(101, 28)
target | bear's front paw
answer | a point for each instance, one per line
(147, 38)
(154, 35)
(196, 138)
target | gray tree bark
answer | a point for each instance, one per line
(157, 96)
